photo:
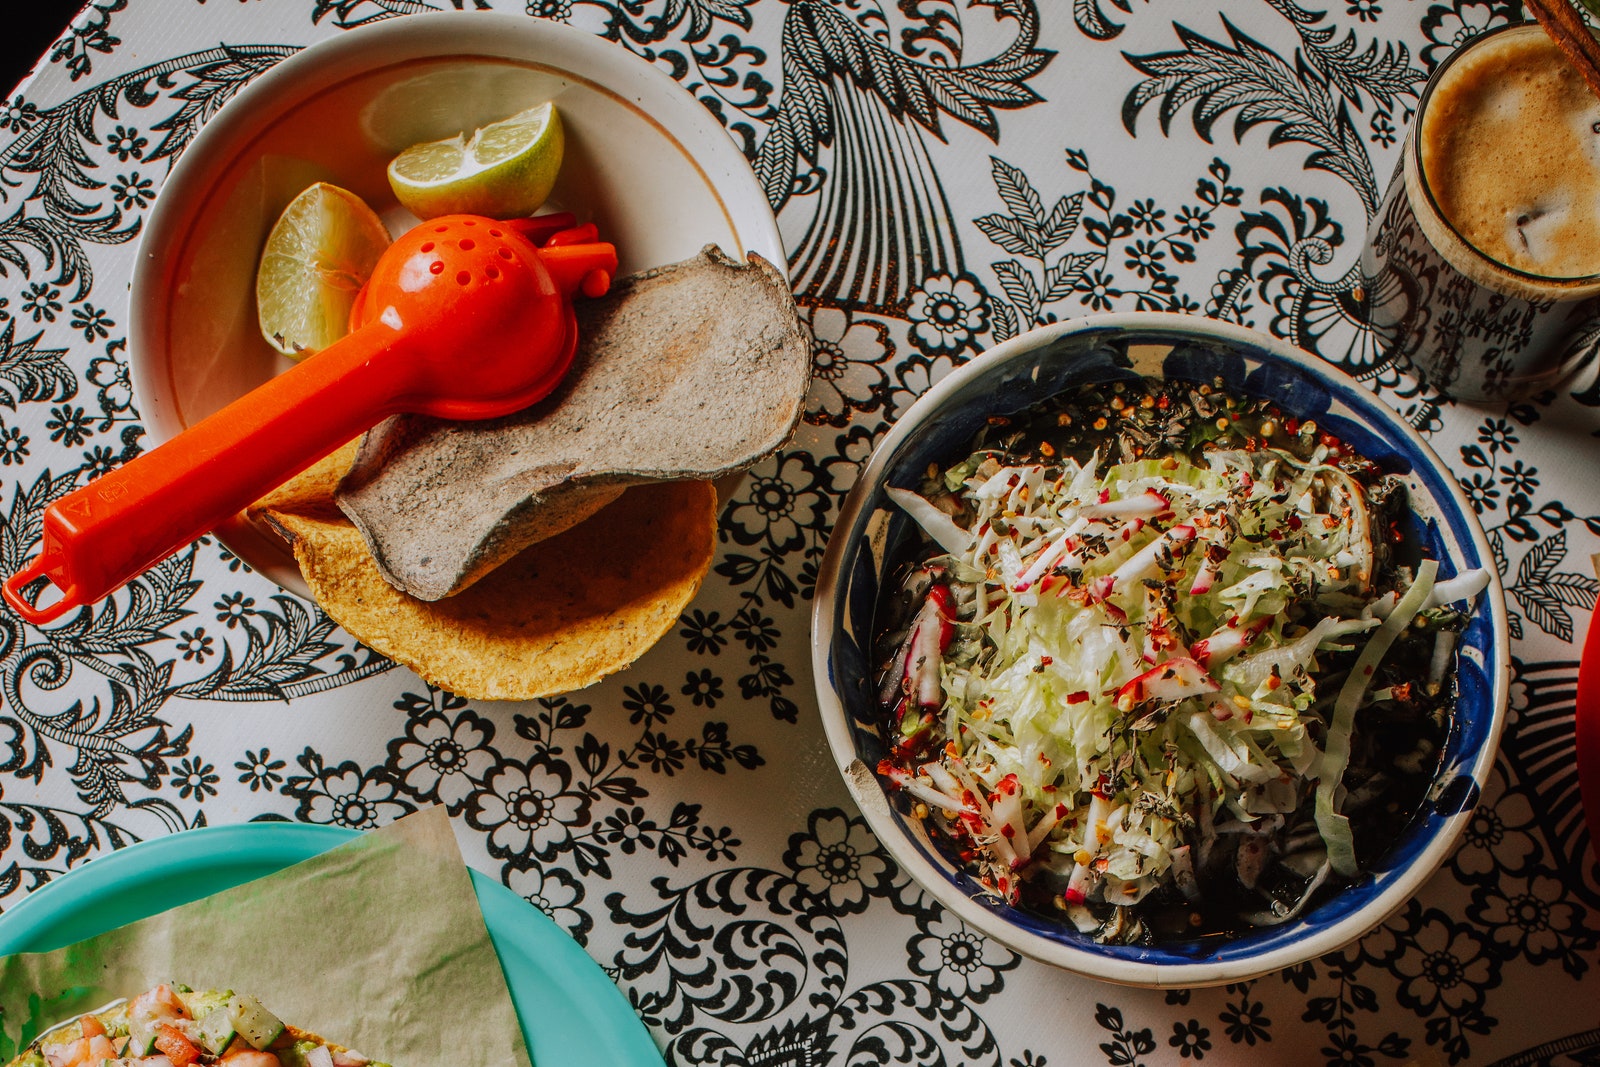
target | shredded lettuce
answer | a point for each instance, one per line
(1127, 672)
(1336, 749)
(935, 523)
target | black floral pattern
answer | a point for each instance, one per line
(445, 752)
(345, 795)
(683, 820)
(961, 963)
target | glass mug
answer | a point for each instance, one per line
(1477, 324)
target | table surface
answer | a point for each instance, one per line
(1222, 159)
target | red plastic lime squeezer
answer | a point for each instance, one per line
(464, 317)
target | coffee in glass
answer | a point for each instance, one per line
(1482, 265)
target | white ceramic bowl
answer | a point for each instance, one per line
(644, 161)
(869, 537)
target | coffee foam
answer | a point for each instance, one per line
(1511, 156)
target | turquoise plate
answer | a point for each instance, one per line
(570, 1011)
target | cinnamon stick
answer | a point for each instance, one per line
(1567, 28)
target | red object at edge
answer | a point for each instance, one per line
(1587, 719)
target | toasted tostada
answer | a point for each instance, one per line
(175, 1026)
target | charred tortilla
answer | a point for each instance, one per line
(689, 371)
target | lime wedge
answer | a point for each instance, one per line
(504, 170)
(317, 257)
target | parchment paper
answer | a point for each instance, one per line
(378, 945)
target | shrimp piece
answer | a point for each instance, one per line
(84, 1052)
(160, 1004)
(249, 1057)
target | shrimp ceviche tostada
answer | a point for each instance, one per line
(175, 1026)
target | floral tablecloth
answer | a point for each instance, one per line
(684, 820)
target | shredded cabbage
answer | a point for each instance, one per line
(1124, 665)
(1336, 752)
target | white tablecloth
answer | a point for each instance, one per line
(1220, 158)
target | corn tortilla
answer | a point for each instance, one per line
(558, 616)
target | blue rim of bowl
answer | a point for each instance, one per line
(1336, 922)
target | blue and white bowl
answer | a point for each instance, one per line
(1036, 365)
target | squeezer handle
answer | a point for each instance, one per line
(106, 533)
(102, 535)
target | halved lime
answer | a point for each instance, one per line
(504, 170)
(317, 257)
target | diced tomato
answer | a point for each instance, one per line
(177, 1048)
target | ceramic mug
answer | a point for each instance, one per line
(1470, 324)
